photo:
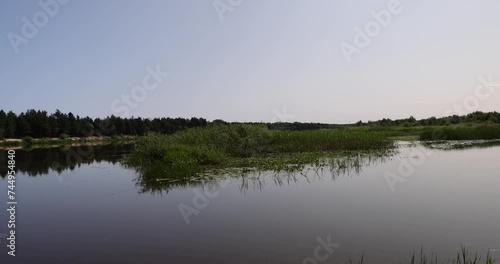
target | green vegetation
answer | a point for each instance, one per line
(40, 124)
(28, 141)
(64, 136)
(256, 147)
(491, 131)
(284, 168)
(472, 118)
(230, 146)
(328, 140)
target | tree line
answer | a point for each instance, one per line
(472, 118)
(40, 124)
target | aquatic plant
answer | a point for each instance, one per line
(228, 146)
(461, 133)
(464, 256)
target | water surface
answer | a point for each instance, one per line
(92, 209)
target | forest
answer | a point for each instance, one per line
(41, 124)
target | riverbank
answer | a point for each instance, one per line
(56, 142)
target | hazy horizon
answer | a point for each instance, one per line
(250, 61)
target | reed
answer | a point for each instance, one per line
(461, 133)
(219, 146)
(464, 256)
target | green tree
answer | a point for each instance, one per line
(10, 125)
(3, 121)
(23, 127)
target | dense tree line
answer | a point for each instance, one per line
(473, 118)
(38, 124)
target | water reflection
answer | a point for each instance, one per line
(461, 144)
(451, 198)
(42, 161)
(154, 181)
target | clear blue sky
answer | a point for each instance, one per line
(263, 56)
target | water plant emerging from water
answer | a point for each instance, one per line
(195, 150)
(491, 131)
(449, 145)
(281, 170)
(464, 256)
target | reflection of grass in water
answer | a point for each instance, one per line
(464, 256)
(461, 144)
(201, 153)
(255, 172)
(225, 146)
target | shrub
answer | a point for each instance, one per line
(64, 136)
(28, 141)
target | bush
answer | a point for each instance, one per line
(28, 141)
(64, 136)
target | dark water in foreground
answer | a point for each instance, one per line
(95, 210)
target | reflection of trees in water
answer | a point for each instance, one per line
(153, 180)
(42, 161)
(461, 144)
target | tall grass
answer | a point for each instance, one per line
(187, 152)
(328, 140)
(462, 133)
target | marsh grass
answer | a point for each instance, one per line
(462, 133)
(329, 140)
(250, 146)
(464, 256)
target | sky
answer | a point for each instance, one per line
(251, 60)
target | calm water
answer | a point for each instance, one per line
(95, 210)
